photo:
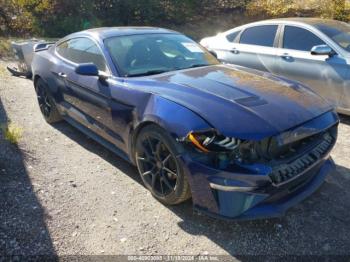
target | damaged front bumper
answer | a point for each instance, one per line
(262, 190)
(241, 201)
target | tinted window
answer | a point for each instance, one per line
(231, 37)
(259, 35)
(299, 39)
(82, 50)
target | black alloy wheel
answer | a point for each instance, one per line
(158, 166)
(46, 103)
(43, 100)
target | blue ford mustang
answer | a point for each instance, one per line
(242, 143)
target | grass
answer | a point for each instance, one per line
(5, 47)
(12, 133)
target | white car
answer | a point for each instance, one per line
(313, 51)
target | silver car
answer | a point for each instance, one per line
(313, 51)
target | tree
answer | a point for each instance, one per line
(14, 19)
(334, 9)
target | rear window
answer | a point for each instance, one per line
(259, 35)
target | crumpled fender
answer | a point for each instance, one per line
(176, 119)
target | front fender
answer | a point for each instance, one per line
(172, 117)
(176, 119)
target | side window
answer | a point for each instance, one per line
(231, 37)
(82, 50)
(62, 49)
(299, 39)
(259, 35)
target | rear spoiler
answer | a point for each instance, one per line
(42, 46)
(23, 52)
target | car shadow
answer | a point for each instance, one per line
(23, 230)
(318, 225)
(94, 147)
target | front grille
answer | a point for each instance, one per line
(284, 172)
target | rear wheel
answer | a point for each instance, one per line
(159, 167)
(46, 103)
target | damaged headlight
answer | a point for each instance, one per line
(212, 148)
(211, 141)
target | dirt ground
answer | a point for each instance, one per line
(63, 194)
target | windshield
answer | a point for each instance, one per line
(339, 32)
(139, 55)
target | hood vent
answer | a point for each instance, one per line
(251, 101)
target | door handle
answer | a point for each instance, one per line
(286, 56)
(61, 74)
(234, 51)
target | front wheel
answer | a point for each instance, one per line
(46, 103)
(160, 169)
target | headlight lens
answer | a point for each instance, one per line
(211, 141)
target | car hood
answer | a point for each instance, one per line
(237, 101)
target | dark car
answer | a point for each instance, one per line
(242, 143)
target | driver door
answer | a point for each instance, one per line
(87, 100)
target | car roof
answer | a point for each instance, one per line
(107, 32)
(305, 20)
(311, 21)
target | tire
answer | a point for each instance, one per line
(46, 103)
(29, 75)
(159, 168)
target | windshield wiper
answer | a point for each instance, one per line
(147, 73)
(198, 65)
(159, 71)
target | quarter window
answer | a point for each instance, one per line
(259, 35)
(299, 39)
(232, 36)
(82, 50)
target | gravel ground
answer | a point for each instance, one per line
(61, 193)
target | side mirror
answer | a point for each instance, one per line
(322, 50)
(87, 69)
